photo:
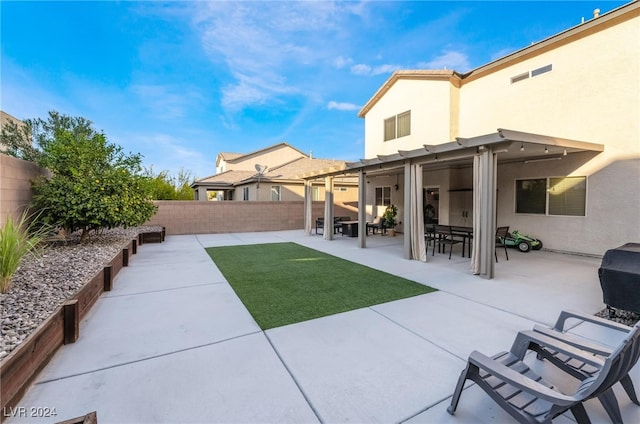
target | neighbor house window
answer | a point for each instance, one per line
(275, 193)
(245, 193)
(315, 193)
(552, 196)
(397, 126)
(383, 196)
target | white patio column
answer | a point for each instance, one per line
(308, 207)
(406, 215)
(362, 210)
(484, 224)
(327, 231)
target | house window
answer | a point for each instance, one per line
(552, 196)
(275, 193)
(245, 193)
(315, 193)
(397, 126)
(390, 128)
(542, 70)
(567, 196)
(404, 124)
(383, 196)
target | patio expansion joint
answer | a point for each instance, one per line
(295, 381)
(161, 355)
(110, 296)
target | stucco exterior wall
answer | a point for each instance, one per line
(194, 217)
(429, 102)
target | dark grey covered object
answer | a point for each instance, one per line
(620, 277)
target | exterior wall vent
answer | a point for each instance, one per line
(542, 70)
(519, 77)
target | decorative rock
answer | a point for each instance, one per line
(42, 283)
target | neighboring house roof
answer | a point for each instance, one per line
(225, 179)
(291, 172)
(236, 157)
(581, 30)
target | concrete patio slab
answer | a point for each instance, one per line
(173, 343)
(129, 328)
(437, 317)
(238, 381)
(360, 367)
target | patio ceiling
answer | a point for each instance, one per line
(511, 146)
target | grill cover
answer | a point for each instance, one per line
(620, 277)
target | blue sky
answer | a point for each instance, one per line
(180, 82)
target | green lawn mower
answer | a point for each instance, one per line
(522, 242)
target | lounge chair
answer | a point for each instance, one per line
(377, 224)
(530, 399)
(580, 369)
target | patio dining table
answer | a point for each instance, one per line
(463, 232)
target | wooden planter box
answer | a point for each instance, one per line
(152, 237)
(20, 368)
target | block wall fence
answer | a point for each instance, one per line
(15, 185)
(200, 217)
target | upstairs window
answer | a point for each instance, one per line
(245, 193)
(397, 126)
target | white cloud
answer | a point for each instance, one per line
(342, 106)
(451, 60)
(261, 44)
(366, 70)
(341, 62)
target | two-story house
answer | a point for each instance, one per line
(545, 140)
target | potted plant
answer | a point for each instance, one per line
(389, 219)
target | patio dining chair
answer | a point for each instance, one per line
(444, 237)
(527, 397)
(501, 233)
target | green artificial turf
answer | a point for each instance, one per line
(285, 283)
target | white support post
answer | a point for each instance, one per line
(362, 210)
(327, 231)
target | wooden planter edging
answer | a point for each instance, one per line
(20, 368)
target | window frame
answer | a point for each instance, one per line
(245, 193)
(382, 196)
(392, 128)
(278, 191)
(548, 204)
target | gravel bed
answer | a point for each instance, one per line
(621, 316)
(43, 282)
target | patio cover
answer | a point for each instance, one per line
(486, 152)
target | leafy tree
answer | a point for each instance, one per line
(165, 187)
(94, 185)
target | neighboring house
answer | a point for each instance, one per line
(4, 119)
(281, 178)
(551, 132)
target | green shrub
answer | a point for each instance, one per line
(17, 239)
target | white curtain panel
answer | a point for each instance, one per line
(477, 212)
(418, 246)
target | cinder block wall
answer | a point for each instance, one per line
(197, 217)
(15, 185)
